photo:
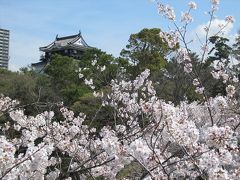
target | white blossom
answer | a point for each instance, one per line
(215, 2)
(229, 19)
(80, 75)
(235, 79)
(205, 48)
(199, 90)
(186, 17)
(196, 82)
(103, 68)
(189, 140)
(167, 11)
(230, 89)
(188, 67)
(94, 62)
(172, 38)
(192, 5)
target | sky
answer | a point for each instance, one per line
(105, 24)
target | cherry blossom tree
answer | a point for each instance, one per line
(198, 140)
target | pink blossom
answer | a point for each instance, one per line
(192, 5)
(229, 19)
(186, 17)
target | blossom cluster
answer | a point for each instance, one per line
(176, 141)
(83, 73)
(197, 140)
(6, 103)
(166, 11)
(172, 38)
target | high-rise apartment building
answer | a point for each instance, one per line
(4, 48)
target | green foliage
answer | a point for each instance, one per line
(60, 81)
(146, 49)
(29, 88)
(62, 70)
(221, 50)
(63, 74)
(236, 47)
(100, 78)
(236, 54)
(97, 115)
(133, 170)
(173, 84)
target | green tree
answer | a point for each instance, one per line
(33, 90)
(236, 54)
(62, 72)
(220, 50)
(236, 47)
(146, 49)
(93, 62)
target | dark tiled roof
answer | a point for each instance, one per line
(38, 63)
(73, 41)
(67, 37)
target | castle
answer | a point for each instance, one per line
(72, 46)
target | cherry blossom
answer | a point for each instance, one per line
(166, 11)
(197, 140)
(230, 89)
(229, 19)
(192, 5)
(186, 17)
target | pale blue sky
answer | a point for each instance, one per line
(105, 24)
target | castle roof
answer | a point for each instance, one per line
(66, 42)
